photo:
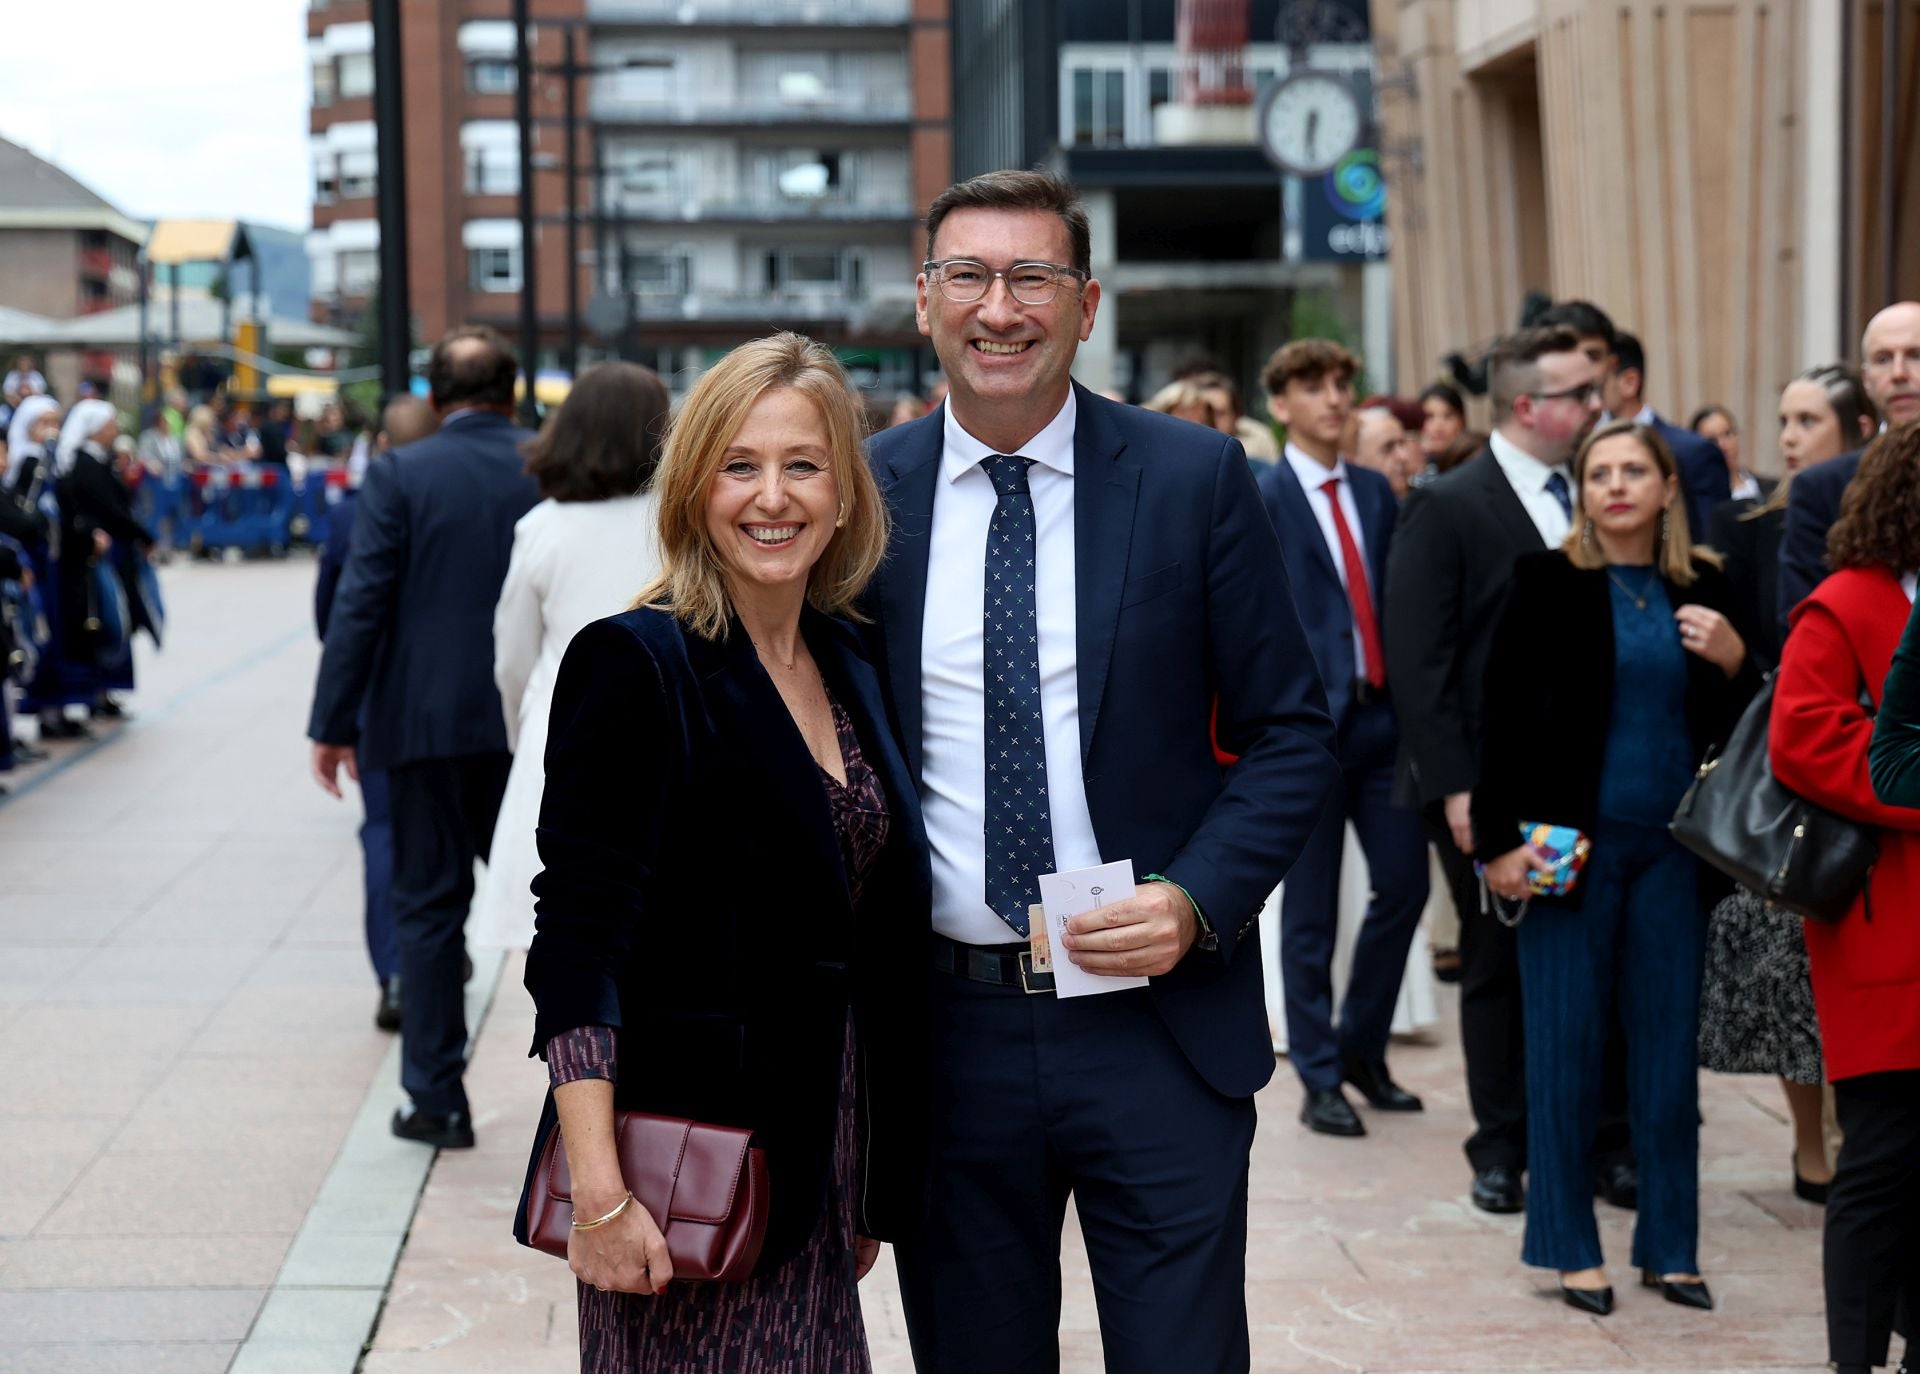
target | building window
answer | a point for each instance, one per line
(359, 174)
(660, 271)
(1099, 107)
(493, 269)
(492, 76)
(645, 80)
(815, 270)
(493, 171)
(1159, 88)
(355, 75)
(359, 271)
(323, 82)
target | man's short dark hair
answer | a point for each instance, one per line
(472, 365)
(1513, 365)
(1011, 190)
(1627, 353)
(1307, 360)
(604, 441)
(1584, 318)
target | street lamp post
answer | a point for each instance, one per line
(529, 275)
(390, 133)
(573, 205)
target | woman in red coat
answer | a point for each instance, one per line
(1866, 968)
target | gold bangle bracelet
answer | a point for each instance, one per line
(614, 1215)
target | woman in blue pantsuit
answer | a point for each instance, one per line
(1613, 670)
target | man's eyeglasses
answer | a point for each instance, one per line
(964, 281)
(1585, 395)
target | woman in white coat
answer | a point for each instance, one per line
(582, 554)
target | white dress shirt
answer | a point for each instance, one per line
(953, 770)
(1527, 476)
(1747, 488)
(1313, 477)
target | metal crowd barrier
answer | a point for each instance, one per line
(257, 508)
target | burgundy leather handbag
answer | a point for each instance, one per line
(704, 1186)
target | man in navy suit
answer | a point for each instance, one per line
(1335, 522)
(1075, 590)
(1890, 370)
(410, 645)
(1703, 468)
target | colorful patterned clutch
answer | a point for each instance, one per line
(1565, 848)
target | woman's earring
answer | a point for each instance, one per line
(1665, 522)
(840, 521)
(1586, 533)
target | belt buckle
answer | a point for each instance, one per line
(1025, 960)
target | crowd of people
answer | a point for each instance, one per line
(766, 742)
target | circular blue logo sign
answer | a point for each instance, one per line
(1355, 188)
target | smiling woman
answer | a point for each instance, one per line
(735, 887)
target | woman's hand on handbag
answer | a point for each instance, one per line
(1507, 875)
(866, 1252)
(1710, 635)
(627, 1255)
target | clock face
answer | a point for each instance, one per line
(1310, 121)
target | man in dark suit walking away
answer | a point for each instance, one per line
(1335, 521)
(1075, 588)
(1447, 579)
(410, 644)
(1703, 468)
(403, 420)
(1890, 370)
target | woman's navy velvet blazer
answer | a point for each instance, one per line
(694, 896)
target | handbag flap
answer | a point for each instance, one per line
(678, 1170)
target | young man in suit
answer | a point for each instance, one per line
(1335, 522)
(1075, 589)
(1890, 370)
(1703, 468)
(406, 684)
(1447, 578)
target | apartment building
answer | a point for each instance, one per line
(743, 165)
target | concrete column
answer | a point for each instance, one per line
(1093, 367)
(1376, 323)
(1822, 107)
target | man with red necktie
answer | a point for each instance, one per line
(1335, 521)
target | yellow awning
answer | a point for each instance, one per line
(548, 391)
(288, 385)
(190, 240)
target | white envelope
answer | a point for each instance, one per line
(1066, 895)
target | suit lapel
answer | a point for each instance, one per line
(1105, 491)
(1294, 500)
(909, 481)
(754, 720)
(1504, 502)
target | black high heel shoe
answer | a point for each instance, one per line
(1595, 1302)
(1681, 1292)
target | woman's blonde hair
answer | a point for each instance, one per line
(1179, 396)
(692, 582)
(1675, 555)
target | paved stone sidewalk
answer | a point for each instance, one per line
(1364, 1255)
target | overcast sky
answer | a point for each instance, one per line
(166, 110)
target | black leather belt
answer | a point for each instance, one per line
(1006, 966)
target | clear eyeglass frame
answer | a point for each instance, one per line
(1030, 283)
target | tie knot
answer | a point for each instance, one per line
(1008, 473)
(1557, 484)
(1328, 485)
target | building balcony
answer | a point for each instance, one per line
(752, 14)
(735, 209)
(607, 107)
(824, 306)
(96, 263)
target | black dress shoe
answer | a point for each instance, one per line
(24, 752)
(387, 1015)
(1498, 1190)
(450, 1132)
(1597, 1302)
(1381, 1092)
(1809, 1192)
(1327, 1111)
(1618, 1183)
(1680, 1292)
(64, 729)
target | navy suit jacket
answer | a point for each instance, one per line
(1813, 504)
(1703, 474)
(411, 633)
(333, 559)
(1319, 596)
(1181, 599)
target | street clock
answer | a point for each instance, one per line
(1309, 121)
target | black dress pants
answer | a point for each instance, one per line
(443, 816)
(1872, 1258)
(1493, 1034)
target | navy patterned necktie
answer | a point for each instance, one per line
(1019, 828)
(1557, 489)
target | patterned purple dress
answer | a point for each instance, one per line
(804, 1317)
